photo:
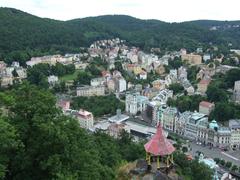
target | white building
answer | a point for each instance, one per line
(169, 117)
(234, 126)
(236, 92)
(91, 91)
(206, 57)
(121, 84)
(191, 130)
(143, 75)
(85, 119)
(135, 103)
(52, 80)
(97, 81)
(163, 96)
(181, 122)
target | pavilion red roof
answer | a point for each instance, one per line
(159, 144)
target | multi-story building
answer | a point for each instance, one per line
(111, 85)
(116, 129)
(223, 137)
(236, 92)
(97, 81)
(153, 111)
(6, 81)
(169, 117)
(206, 107)
(158, 84)
(181, 122)
(85, 119)
(121, 84)
(163, 96)
(191, 130)
(214, 135)
(203, 85)
(135, 103)
(91, 91)
(192, 58)
(234, 126)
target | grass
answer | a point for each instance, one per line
(70, 77)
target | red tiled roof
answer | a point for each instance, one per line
(206, 104)
(159, 145)
(203, 81)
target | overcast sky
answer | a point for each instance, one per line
(165, 10)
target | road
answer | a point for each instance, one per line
(232, 156)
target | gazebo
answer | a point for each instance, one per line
(159, 146)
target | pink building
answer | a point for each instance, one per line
(206, 107)
(64, 105)
(85, 119)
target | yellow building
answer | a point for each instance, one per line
(137, 70)
(192, 59)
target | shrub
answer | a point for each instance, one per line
(228, 164)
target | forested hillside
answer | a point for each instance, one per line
(23, 35)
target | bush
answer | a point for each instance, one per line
(228, 164)
(222, 162)
(217, 160)
(184, 149)
(234, 167)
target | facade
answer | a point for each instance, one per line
(203, 85)
(168, 118)
(158, 84)
(181, 122)
(236, 92)
(143, 75)
(121, 84)
(111, 85)
(97, 81)
(135, 103)
(206, 57)
(234, 126)
(206, 107)
(85, 119)
(192, 59)
(91, 91)
(191, 130)
(163, 96)
(115, 130)
(154, 111)
(22, 74)
(160, 69)
(6, 81)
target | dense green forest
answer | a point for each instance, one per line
(24, 35)
(98, 105)
(38, 142)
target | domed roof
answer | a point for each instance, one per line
(213, 124)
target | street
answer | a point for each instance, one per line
(232, 156)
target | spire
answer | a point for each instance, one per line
(159, 144)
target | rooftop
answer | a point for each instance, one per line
(82, 112)
(206, 104)
(234, 123)
(204, 81)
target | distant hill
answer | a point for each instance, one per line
(23, 35)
